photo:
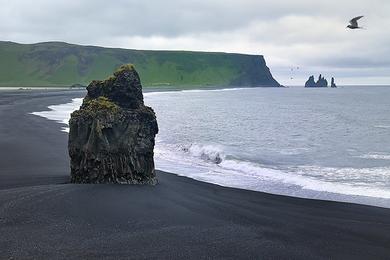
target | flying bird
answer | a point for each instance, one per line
(354, 23)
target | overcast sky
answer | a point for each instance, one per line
(307, 34)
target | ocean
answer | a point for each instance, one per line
(331, 144)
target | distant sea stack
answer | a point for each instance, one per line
(62, 64)
(112, 135)
(332, 83)
(320, 83)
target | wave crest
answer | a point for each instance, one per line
(210, 153)
(376, 156)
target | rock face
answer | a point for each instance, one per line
(332, 83)
(111, 136)
(310, 82)
(321, 82)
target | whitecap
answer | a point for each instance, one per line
(61, 113)
(375, 156)
(382, 126)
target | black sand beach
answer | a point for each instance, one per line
(43, 217)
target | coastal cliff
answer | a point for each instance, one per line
(111, 138)
(63, 64)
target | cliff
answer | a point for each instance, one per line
(62, 64)
(111, 138)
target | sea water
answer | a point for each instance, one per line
(331, 144)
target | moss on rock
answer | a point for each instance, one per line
(101, 103)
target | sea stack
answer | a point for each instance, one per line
(112, 135)
(332, 83)
(310, 83)
(321, 82)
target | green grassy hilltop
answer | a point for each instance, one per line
(63, 64)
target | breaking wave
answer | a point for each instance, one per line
(209, 163)
(209, 153)
(376, 156)
(61, 113)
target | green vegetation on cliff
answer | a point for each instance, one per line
(62, 64)
(101, 103)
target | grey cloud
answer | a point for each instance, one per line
(304, 32)
(167, 18)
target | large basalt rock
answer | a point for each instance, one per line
(332, 83)
(310, 82)
(112, 135)
(321, 82)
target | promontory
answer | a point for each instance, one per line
(62, 64)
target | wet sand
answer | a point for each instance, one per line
(44, 217)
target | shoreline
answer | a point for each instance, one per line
(41, 217)
(174, 165)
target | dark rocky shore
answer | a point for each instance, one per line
(42, 216)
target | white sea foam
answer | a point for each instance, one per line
(236, 173)
(149, 94)
(376, 156)
(211, 90)
(210, 153)
(382, 126)
(61, 113)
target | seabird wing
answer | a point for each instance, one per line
(354, 22)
